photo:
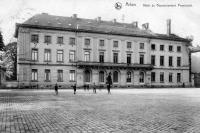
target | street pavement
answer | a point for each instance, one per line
(174, 110)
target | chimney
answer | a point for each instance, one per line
(135, 24)
(99, 19)
(145, 26)
(74, 16)
(114, 21)
(168, 26)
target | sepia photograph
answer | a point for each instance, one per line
(99, 66)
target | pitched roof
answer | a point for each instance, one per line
(46, 21)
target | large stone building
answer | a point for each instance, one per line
(68, 50)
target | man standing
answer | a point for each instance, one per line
(94, 88)
(56, 89)
(74, 87)
(109, 82)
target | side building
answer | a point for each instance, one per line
(68, 50)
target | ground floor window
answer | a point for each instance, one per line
(87, 76)
(153, 77)
(72, 75)
(115, 76)
(47, 75)
(170, 77)
(162, 77)
(34, 75)
(60, 75)
(178, 77)
(101, 76)
(141, 79)
(128, 77)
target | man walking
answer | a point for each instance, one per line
(74, 87)
(94, 88)
(56, 89)
(109, 82)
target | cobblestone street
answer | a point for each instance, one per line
(129, 111)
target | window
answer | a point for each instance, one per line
(153, 76)
(101, 57)
(115, 76)
(101, 76)
(60, 75)
(170, 48)
(47, 74)
(141, 78)
(162, 77)
(128, 77)
(115, 44)
(178, 77)
(178, 61)
(59, 55)
(141, 59)
(170, 77)
(170, 61)
(71, 56)
(34, 75)
(47, 55)
(162, 60)
(34, 38)
(72, 41)
(72, 75)
(128, 58)
(153, 60)
(60, 40)
(47, 39)
(153, 47)
(141, 45)
(87, 56)
(87, 76)
(34, 55)
(162, 47)
(87, 41)
(178, 48)
(101, 43)
(129, 44)
(115, 57)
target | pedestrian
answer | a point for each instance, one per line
(56, 89)
(74, 87)
(94, 88)
(109, 82)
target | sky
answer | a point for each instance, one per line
(185, 20)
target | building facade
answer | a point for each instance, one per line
(68, 50)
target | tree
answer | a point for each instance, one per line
(2, 46)
(10, 60)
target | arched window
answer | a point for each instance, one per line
(87, 76)
(141, 77)
(128, 76)
(101, 76)
(115, 76)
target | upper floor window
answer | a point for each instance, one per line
(34, 54)
(162, 61)
(47, 75)
(170, 48)
(34, 38)
(101, 43)
(60, 56)
(141, 45)
(115, 57)
(153, 47)
(47, 55)
(178, 61)
(87, 56)
(128, 58)
(34, 75)
(153, 60)
(170, 61)
(162, 47)
(47, 39)
(87, 41)
(72, 75)
(129, 44)
(101, 57)
(115, 44)
(178, 48)
(141, 59)
(71, 56)
(60, 40)
(72, 41)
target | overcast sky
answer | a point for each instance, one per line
(185, 20)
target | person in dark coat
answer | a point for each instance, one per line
(94, 88)
(56, 89)
(109, 82)
(74, 87)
